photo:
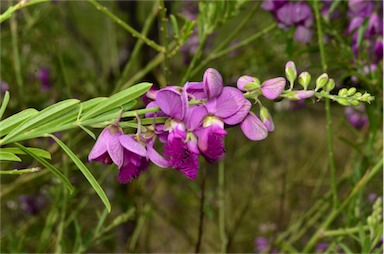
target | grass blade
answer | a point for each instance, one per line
(95, 185)
(4, 104)
(38, 152)
(7, 156)
(11, 122)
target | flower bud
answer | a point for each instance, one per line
(330, 85)
(213, 83)
(266, 118)
(290, 71)
(321, 81)
(343, 92)
(351, 91)
(343, 101)
(304, 79)
(299, 95)
(248, 83)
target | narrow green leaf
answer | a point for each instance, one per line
(118, 99)
(109, 116)
(4, 104)
(47, 114)
(7, 156)
(88, 131)
(85, 172)
(49, 166)
(11, 122)
(38, 152)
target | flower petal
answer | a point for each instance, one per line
(213, 83)
(128, 173)
(196, 90)
(253, 128)
(272, 88)
(100, 146)
(195, 116)
(227, 104)
(155, 157)
(129, 143)
(159, 113)
(171, 102)
(243, 81)
(115, 149)
(239, 115)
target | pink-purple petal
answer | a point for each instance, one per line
(253, 128)
(239, 115)
(100, 146)
(195, 116)
(129, 143)
(272, 88)
(115, 149)
(170, 102)
(229, 102)
(156, 158)
(213, 83)
(196, 90)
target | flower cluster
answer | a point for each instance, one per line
(292, 14)
(363, 12)
(192, 120)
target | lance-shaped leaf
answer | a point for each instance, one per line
(95, 185)
(49, 166)
(13, 121)
(7, 156)
(47, 114)
(118, 99)
(36, 151)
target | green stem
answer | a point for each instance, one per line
(233, 48)
(4, 104)
(164, 40)
(335, 212)
(136, 50)
(127, 27)
(221, 203)
(195, 58)
(138, 228)
(342, 231)
(16, 53)
(327, 107)
(19, 171)
(24, 3)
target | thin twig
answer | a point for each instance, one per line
(201, 217)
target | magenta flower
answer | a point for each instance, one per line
(107, 148)
(137, 156)
(43, 76)
(173, 101)
(357, 116)
(272, 88)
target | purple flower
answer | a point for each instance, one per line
(262, 244)
(107, 148)
(3, 87)
(361, 8)
(303, 34)
(173, 101)
(136, 157)
(211, 140)
(321, 247)
(356, 116)
(32, 205)
(43, 76)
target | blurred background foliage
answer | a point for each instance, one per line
(270, 186)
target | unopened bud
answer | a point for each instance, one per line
(351, 91)
(245, 80)
(330, 85)
(304, 79)
(266, 118)
(299, 95)
(343, 92)
(321, 81)
(343, 101)
(290, 72)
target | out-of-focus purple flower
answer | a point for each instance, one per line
(190, 9)
(321, 247)
(292, 14)
(379, 49)
(362, 8)
(107, 148)
(372, 197)
(32, 205)
(356, 116)
(261, 244)
(43, 74)
(3, 87)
